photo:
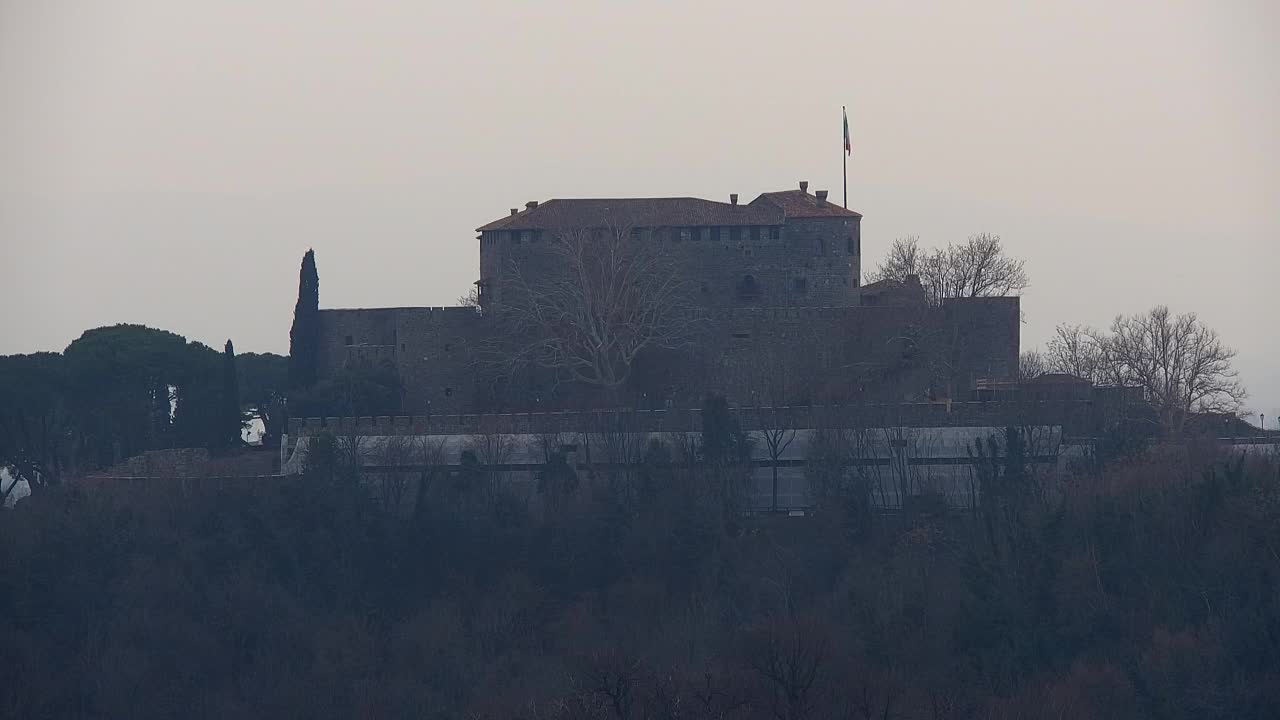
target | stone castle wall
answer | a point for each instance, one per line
(812, 262)
(782, 356)
(432, 348)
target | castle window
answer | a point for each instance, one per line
(800, 285)
(748, 288)
(350, 340)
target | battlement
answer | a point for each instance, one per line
(1077, 418)
(427, 313)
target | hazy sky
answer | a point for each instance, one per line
(168, 163)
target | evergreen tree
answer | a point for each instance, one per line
(304, 336)
(231, 425)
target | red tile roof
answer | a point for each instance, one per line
(636, 212)
(768, 209)
(800, 204)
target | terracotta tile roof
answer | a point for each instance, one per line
(636, 212)
(800, 204)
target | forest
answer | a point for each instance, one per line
(1141, 586)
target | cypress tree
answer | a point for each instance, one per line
(304, 336)
(231, 427)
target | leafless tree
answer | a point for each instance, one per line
(395, 455)
(1031, 365)
(471, 299)
(791, 658)
(1180, 362)
(1077, 350)
(493, 450)
(976, 268)
(610, 295)
(771, 385)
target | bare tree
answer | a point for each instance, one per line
(1077, 350)
(976, 268)
(471, 299)
(610, 295)
(1031, 365)
(1179, 361)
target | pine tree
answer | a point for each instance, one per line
(231, 425)
(304, 336)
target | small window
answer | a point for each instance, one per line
(703, 287)
(448, 392)
(747, 288)
(735, 235)
(448, 347)
(350, 340)
(822, 246)
(800, 285)
(852, 245)
(775, 233)
(686, 234)
(401, 347)
(742, 335)
(537, 235)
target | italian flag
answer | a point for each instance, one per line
(848, 146)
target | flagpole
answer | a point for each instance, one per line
(845, 158)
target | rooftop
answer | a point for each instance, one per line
(768, 209)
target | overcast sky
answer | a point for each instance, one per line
(168, 163)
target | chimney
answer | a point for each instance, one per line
(822, 197)
(733, 198)
(531, 204)
(804, 186)
(514, 211)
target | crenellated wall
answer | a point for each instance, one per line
(1076, 418)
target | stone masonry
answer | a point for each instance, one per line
(779, 277)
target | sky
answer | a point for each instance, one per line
(168, 163)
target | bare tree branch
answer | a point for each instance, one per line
(611, 296)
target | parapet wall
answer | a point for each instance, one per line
(1076, 418)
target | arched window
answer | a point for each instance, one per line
(748, 288)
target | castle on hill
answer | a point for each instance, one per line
(776, 280)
